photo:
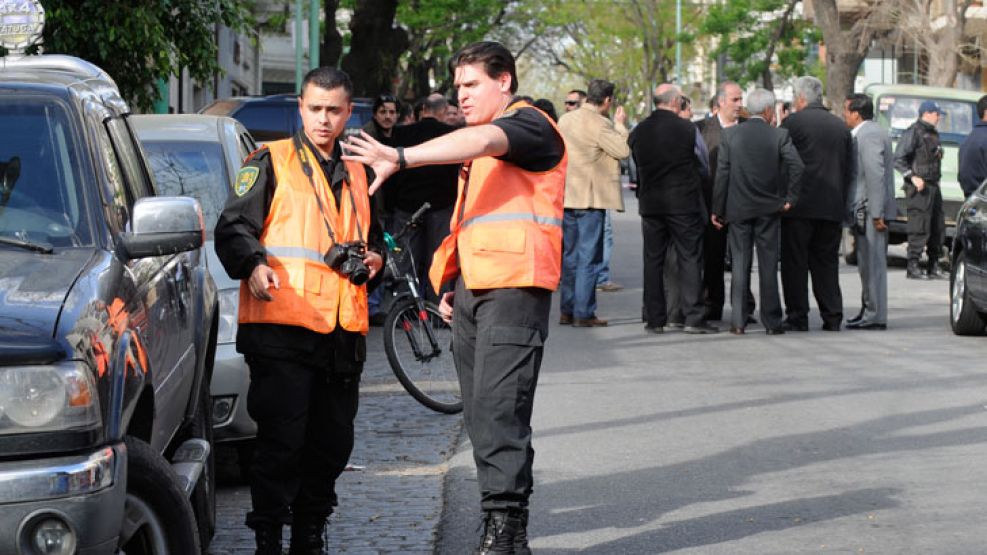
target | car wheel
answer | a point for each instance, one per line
(157, 518)
(963, 316)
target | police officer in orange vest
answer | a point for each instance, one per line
(300, 233)
(505, 254)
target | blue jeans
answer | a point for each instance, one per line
(582, 252)
(604, 273)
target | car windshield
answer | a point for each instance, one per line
(899, 112)
(40, 179)
(193, 169)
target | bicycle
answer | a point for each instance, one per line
(418, 342)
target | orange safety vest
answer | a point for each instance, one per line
(312, 295)
(506, 228)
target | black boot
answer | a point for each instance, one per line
(933, 270)
(913, 271)
(521, 538)
(500, 533)
(268, 539)
(307, 536)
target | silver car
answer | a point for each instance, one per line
(198, 156)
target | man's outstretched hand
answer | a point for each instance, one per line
(366, 150)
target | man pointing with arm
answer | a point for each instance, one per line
(505, 253)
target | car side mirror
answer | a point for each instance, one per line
(162, 226)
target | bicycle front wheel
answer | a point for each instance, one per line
(419, 348)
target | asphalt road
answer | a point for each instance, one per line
(818, 442)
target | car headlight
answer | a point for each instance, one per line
(45, 398)
(229, 302)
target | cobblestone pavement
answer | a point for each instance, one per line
(394, 504)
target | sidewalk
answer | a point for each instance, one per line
(394, 504)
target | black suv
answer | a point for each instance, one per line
(107, 329)
(269, 118)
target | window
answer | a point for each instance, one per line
(897, 113)
(266, 122)
(41, 182)
(130, 159)
(194, 169)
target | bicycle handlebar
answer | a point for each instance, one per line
(418, 214)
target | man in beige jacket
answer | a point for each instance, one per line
(595, 145)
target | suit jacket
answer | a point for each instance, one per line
(595, 146)
(875, 171)
(826, 147)
(664, 148)
(758, 171)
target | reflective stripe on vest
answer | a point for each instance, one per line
(506, 229)
(311, 295)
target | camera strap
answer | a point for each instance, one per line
(307, 169)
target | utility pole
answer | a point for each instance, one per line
(678, 43)
(313, 34)
(299, 45)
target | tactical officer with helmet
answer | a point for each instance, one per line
(504, 253)
(300, 233)
(918, 158)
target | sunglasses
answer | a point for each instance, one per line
(571, 102)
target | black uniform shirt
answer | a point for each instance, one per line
(237, 240)
(534, 145)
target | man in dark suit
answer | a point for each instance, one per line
(410, 188)
(670, 203)
(757, 179)
(728, 102)
(811, 232)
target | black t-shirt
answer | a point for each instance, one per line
(534, 145)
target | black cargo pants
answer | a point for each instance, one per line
(926, 222)
(304, 439)
(497, 345)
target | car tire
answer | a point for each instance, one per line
(158, 518)
(963, 315)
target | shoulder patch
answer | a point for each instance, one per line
(245, 180)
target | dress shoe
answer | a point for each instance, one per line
(657, 330)
(912, 271)
(792, 326)
(774, 331)
(858, 318)
(500, 534)
(713, 315)
(867, 326)
(609, 287)
(701, 328)
(565, 319)
(751, 320)
(831, 327)
(736, 331)
(592, 322)
(675, 325)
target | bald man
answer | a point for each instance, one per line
(671, 207)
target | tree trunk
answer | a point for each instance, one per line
(332, 41)
(843, 56)
(375, 47)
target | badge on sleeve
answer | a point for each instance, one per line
(245, 180)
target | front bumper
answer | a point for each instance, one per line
(230, 382)
(87, 492)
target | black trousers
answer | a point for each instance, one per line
(764, 233)
(498, 338)
(810, 246)
(926, 222)
(423, 242)
(684, 233)
(304, 439)
(714, 255)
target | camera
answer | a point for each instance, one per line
(347, 259)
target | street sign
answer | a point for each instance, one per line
(21, 23)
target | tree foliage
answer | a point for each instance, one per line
(760, 39)
(139, 42)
